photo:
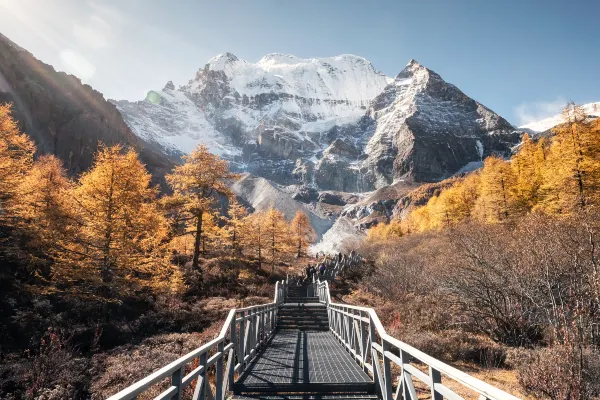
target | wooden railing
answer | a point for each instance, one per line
(244, 332)
(365, 338)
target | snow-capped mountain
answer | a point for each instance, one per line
(335, 123)
(592, 110)
(282, 98)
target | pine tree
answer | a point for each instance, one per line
(16, 158)
(121, 227)
(303, 232)
(196, 185)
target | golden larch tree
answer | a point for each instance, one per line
(256, 238)
(303, 232)
(122, 228)
(16, 158)
(45, 205)
(572, 173)
(197, 184)
(497, 181)
(278, 235)
(236, 228)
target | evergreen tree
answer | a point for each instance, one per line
(196, 185)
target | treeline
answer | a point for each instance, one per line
(556, 176)
(110, 233)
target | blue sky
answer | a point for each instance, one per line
(523, 59)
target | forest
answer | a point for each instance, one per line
(501, 267)
(106, 259)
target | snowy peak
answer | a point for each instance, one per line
(591, 109)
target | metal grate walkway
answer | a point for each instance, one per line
(304, 361)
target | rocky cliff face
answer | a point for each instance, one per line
(333, 123)
(423, 129)
(63, 116)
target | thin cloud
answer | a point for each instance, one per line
(527, 113)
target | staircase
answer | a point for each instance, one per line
(300, 312)
(303, 360)
(306, 348)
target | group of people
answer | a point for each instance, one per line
(327, 263)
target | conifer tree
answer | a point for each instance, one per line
(196, 185)
(528, 173)
(256, 238)
(121, 227)
(44, 205)
(277, 234)
(16, 158)
(572, 177)
(303, 232)
(497, 181)
(236, 227)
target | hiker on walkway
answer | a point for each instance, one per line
(309, 270)
(322, 269)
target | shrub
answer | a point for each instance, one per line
(561, 373)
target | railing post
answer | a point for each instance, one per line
(242, 340)
(404, 359)
(387, 371)
(176, 378)
(435, 377)
(373, 359)
(219, 395)
(202, 377)
(233, 341)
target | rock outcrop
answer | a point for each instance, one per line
(63, 116)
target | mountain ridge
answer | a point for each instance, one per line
(324, 122)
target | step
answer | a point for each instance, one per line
(341, 387)
(292, 327)
(334, 396)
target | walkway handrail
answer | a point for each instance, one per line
(358, 329)
(244, 332)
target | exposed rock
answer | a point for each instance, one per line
(306, 195)
(169, 86)
(331, 198)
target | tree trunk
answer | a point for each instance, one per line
(197, 241)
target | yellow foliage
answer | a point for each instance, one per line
(559, 175)
(16, 156)
(121, 229)
(196, 185)
(303, 232)
(44, 205)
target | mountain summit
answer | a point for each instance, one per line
(334, 123)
